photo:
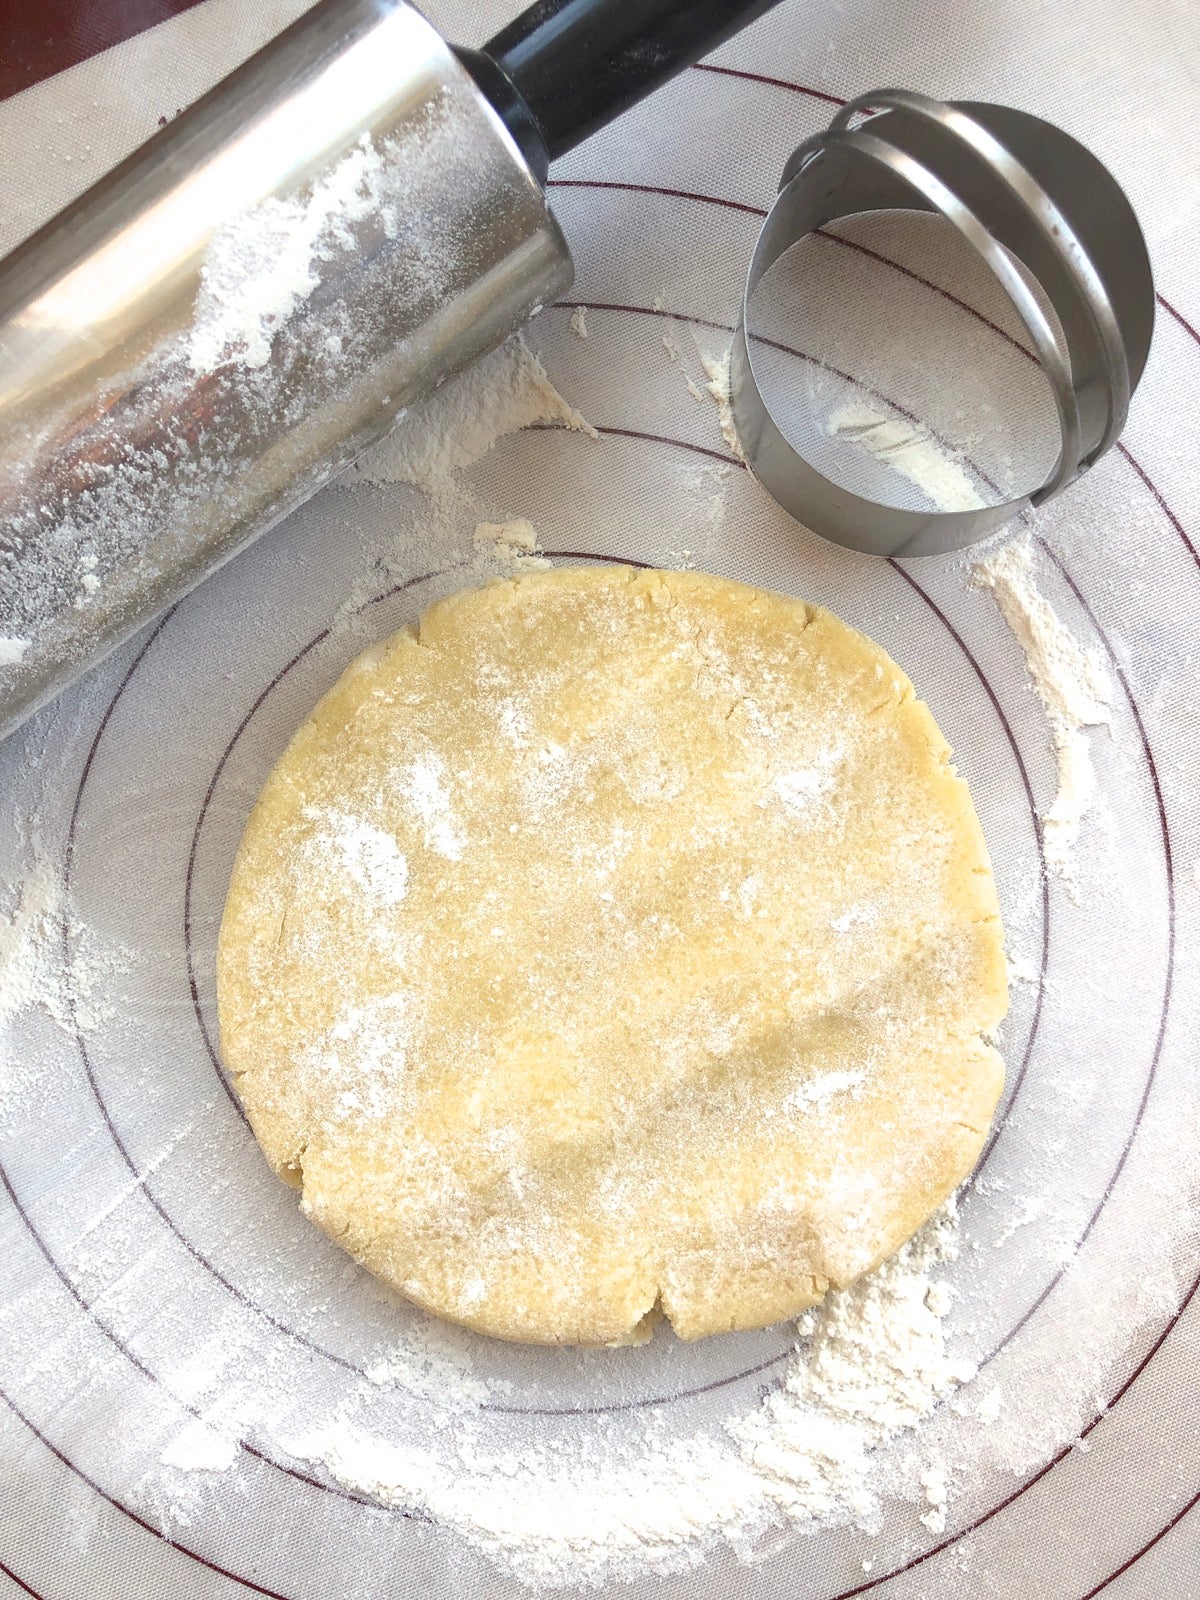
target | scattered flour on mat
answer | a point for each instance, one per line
(12, 651)
(33, 921)
(868, 1365)
(910, 450)
(433, 1362)
(675, 356)
(459, 423)
(518, 534)
(1070, 681)
(30, 978)
(718, 372)
(429, 450)
(199, 1448)
(29, 934)
(703, 487)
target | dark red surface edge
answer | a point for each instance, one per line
(39, 38)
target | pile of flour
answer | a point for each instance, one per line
(35, 919)
(866, 1367)
(459, 423)
(1071, 684)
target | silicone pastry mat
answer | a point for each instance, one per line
(139, 1226)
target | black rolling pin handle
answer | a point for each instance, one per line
(565, 68)
(516, 115)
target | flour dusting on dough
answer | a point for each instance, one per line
(371, 857)
(430, 800)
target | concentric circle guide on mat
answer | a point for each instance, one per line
(1117, 545)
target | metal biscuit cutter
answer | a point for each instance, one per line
(1013, 186)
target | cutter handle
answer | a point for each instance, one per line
(564, 68)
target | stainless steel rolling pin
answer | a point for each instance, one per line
(223, 323)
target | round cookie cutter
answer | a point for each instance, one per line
(1018, 190)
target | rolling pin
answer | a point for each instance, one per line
(224, 322)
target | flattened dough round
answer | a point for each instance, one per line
(616, 941)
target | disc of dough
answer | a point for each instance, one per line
(612, 943)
